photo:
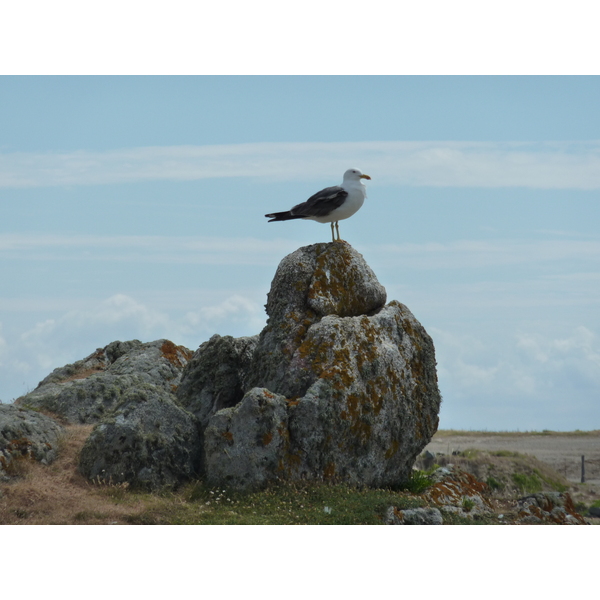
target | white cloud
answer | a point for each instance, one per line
(579, 353)
(51, 343)
(533, 376)
(232, 312)
(82, 330)
(547, 165)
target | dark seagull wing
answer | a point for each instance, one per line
(322, 203)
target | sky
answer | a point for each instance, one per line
(133, 208)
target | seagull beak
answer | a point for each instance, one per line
(365, 177)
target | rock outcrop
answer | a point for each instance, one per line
(26, 434)
(338, 386)
(91, 389)
(148, 442)
(143, 437)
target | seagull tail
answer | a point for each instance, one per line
(283, 216)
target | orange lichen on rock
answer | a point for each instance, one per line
(176, 355)
(455, 486)
(549, 507)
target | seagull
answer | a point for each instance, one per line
(331, 204)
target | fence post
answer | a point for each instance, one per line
(582, 468)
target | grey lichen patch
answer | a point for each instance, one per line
(116, 369)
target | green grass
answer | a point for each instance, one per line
(531, 483)
(494, 484)
(419, 481)
(280, 504)
(528, 483)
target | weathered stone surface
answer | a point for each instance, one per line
(26, 434)
(459, 492)
(327, 279)
(148, 442)
(413, 516)
(356, 380)
(215, 377)
(311, 283)
(245, 444)
(88, 390)
(548, 507)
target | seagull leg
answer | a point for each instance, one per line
(337, 228)
(332, 236)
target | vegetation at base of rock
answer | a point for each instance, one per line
(58, 494)
(289, 503)
(418, 482)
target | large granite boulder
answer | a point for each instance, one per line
(26, 434)
(90, 389)
(338, 385)
(148, 442)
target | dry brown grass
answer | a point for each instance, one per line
(58, 494)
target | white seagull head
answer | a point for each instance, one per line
(354, 175)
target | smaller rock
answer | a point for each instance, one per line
(456, 491)
(26, 434)
(148, 442)
(244, 444)
(413, 516)
(548, 507)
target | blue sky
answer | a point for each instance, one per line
(133, 207)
